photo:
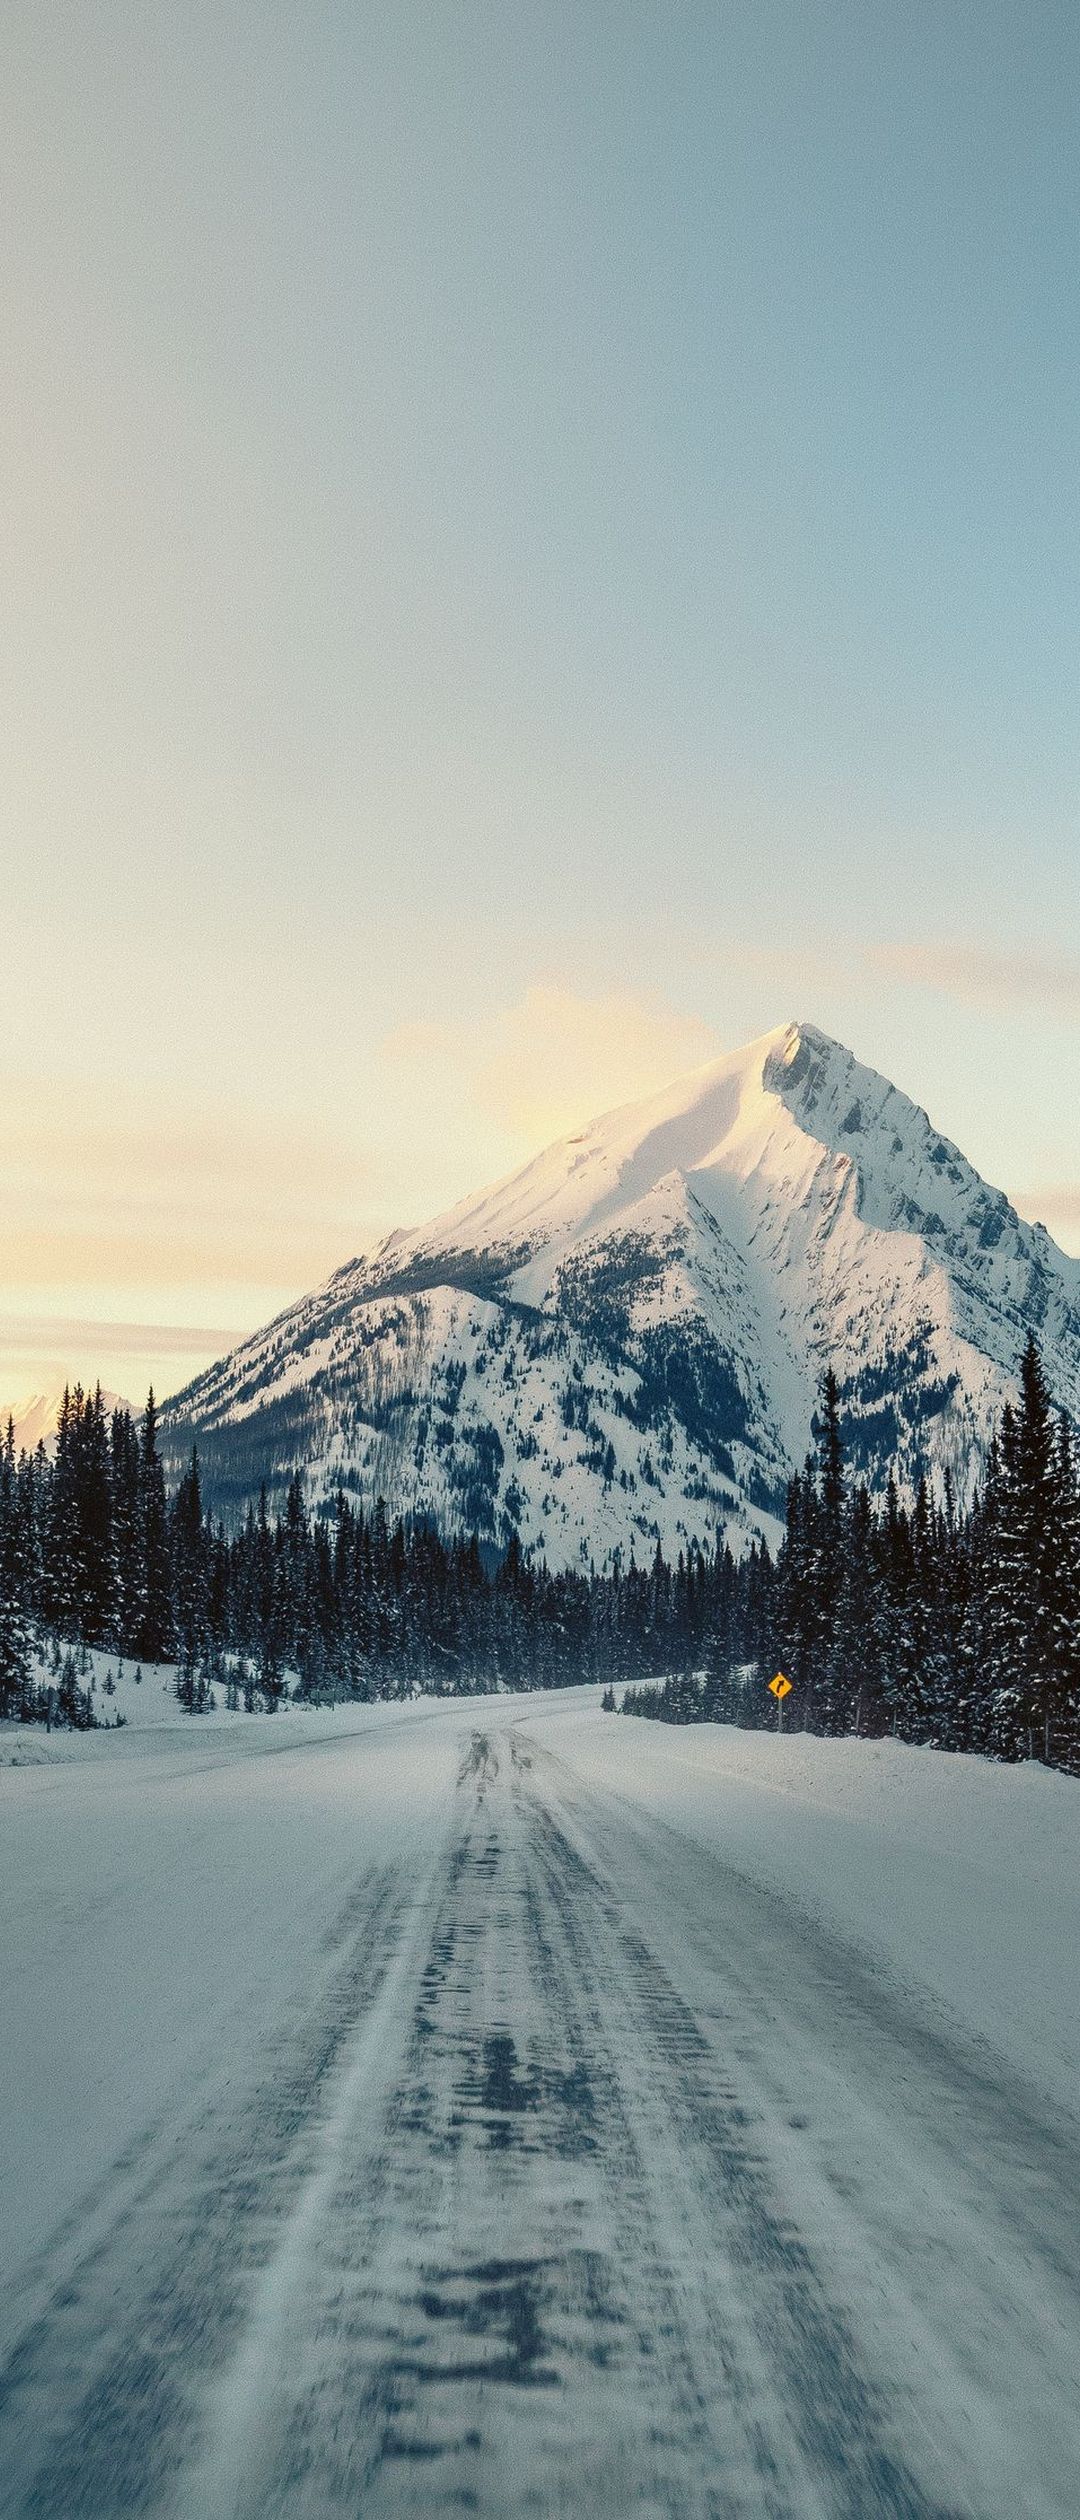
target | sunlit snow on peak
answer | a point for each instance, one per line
(623, 1340)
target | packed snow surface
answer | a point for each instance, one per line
(497, 2105)
(624, 1340)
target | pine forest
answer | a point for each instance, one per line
(959, 1630)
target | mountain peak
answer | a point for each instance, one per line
(623, 1339)
(36, 1417)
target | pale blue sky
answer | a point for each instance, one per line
(536, 536)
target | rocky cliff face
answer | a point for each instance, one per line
(624, 1340)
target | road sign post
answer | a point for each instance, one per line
(780, 1688)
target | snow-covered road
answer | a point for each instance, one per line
(474, 2107)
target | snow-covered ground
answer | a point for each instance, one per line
(959, 1874)
(498, 2105)
(139, 1697)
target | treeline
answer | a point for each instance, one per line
(335, 1603)
(88, 1554)
(961, 1630)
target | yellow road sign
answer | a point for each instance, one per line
(781, 1686)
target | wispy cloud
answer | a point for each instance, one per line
(975, 973)
(68, 1256)
(554, 1058)
(41, 1352)
(983, 975)
(1058, 1206)
(46, 1334)
(142, 1144)
(163, 1199)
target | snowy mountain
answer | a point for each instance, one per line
(624, 1339)
(35, 1419)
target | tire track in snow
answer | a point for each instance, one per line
(789, 2400)
(224, 2481)
(935, 2197)
(520, 2301)
(790, 2375)
(101, 2396)
(515, 2222)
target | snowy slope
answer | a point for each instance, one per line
(35, 1419)
(623, 1340)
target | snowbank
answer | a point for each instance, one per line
(959, 1876)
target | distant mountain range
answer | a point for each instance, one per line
(36, 1418)
(624, 1340)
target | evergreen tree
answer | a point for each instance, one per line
(128, 1558)
(16, 1634)
(190, 1586)
(1060, 1685)
(958, 1630)
(154, 1636)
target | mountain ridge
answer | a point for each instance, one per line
(35, 1418)
(622, 1339)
